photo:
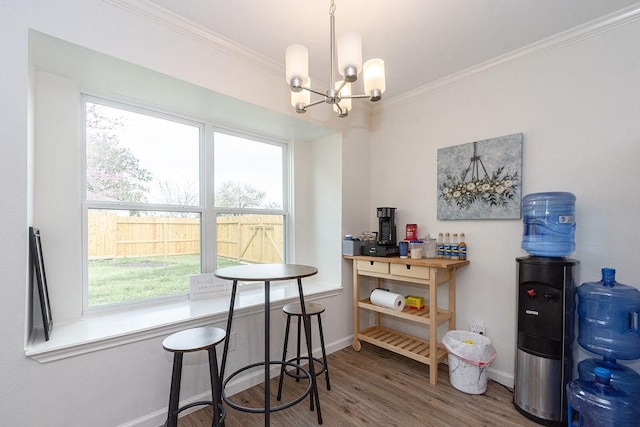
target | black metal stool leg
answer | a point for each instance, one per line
(298, 350)
(324, 354)
(307, 333)
(174, 394)
(215, 388)
(309, 345)
(315, 395)
(284, 356)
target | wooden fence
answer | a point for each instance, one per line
(246, 238)
(251, 238)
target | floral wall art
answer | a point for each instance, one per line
(481, 179)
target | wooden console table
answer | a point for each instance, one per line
(426, 272)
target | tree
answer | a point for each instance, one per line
(180, 195)
(232, 194)
(113, 172)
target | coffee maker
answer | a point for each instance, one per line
(386, 245)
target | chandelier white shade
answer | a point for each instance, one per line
(302, 98)
(374, 76)
(347, 56)
(297, 60)
(349, 53)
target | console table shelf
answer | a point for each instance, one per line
(423, 272)
(420, 316)
(407, 345)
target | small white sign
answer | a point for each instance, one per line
(207, 285)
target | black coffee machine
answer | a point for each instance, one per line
(386, 245)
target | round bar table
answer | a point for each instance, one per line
(268, 273)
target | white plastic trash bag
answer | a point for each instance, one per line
(470, 355)
(473, 348)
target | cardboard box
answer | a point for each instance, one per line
(415, 302)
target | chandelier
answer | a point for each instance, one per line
(348, 57)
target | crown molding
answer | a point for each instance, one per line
(176, 23)
(560, 40)
(180, 25)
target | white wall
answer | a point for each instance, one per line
(577, 105)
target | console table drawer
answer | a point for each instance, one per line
(407, 270)
(373, 266)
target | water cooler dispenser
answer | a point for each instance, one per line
(544, 359)
(545, 305)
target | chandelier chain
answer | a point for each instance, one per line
(332, 8)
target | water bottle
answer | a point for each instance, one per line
(447, 246)
(608, 318)
(622, 377)
(598, 404)
(549, 224)
(462, 247)
(440, 244)
(455, 251)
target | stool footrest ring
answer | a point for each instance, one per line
(273, 408)
(299, 377)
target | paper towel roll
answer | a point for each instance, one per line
(387, 299)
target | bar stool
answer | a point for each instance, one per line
(295, 310)
(188, 341)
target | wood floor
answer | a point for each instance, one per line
(375, 387)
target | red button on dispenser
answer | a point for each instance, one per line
(531, 293)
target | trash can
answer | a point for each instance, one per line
(470, 355)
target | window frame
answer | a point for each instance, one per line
(206, 205)
(286, 185)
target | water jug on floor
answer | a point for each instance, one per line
(622, 377)
(608, 318)
(599, 404)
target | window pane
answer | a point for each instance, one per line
(138, 158)
(250, 238)
(137, 255)
(248, 174)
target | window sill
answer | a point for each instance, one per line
(105, 330)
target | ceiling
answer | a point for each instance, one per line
(420, 41)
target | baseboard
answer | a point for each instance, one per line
(243, 382)
(251, 379)
(501, 377)
(158, 418)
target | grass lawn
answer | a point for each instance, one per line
(118, 280)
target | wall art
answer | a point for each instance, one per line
(481, 179)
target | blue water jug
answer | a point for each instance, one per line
(608, 318)
(622, 377)
(549, 224)
(598, 404)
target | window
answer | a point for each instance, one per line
(147, 205)
(249, 199)
(143, 209)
